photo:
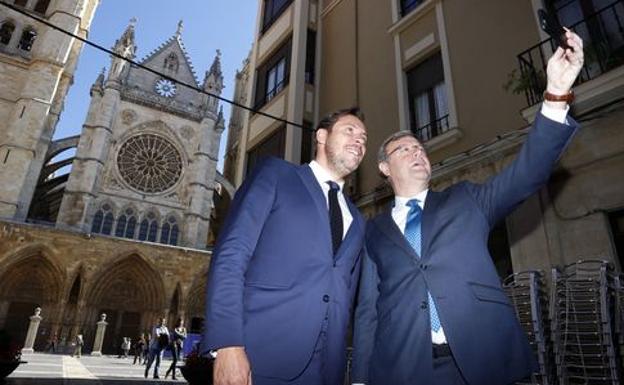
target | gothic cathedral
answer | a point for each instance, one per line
(125, 231)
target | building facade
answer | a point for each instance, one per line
(466, 78)
(125, 231)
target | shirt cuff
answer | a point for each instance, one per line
(555, 114)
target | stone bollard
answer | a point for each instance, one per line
(33, 328)
(99, 336)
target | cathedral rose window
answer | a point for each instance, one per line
(149, 163)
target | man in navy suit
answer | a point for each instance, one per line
(284, 271)
(431, 309)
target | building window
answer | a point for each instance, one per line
(310, 57)
(172, 63)
(428, 106)
(21, 3)
(27, 39)
(169, 232)
(42, 6)
(148, 228)
(103, 220)
(6, 32)
(272, 76)
(271, 146)
(126, 224)
(408, 5)
(272, 11)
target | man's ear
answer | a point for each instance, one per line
(384, 169)
(321, 136)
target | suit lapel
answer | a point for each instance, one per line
(430, 214)
(354, 234)
(386, 224)
(318, 197)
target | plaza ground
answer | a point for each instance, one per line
(53, 369)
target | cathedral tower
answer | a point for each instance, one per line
(37, 65)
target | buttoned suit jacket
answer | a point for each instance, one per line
(273, 278)
(392, 339)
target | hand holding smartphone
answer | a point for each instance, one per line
(551, 25)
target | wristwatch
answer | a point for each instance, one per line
(568, 98)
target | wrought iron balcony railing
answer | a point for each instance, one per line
(433, 129)
(603, 36)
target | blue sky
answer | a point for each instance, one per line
(209, 25)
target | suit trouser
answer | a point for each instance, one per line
(313, 374)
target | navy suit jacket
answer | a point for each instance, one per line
(392, 339)
(273, 277)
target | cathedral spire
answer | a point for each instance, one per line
(98, 85)
(124, 47)
(213, 82)
(178, 33)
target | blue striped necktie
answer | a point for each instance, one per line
(413, 235)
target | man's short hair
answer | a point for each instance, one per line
(382, 156)
(330, 119)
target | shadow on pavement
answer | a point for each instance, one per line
(85, 381)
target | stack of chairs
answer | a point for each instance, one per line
(530, 299)
(583, 316)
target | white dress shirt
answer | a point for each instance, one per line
(322, 177)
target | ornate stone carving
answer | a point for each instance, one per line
(128, 117)
(149, 163)
(187, 132)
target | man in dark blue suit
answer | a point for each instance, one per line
(431, 308)
(284, 271)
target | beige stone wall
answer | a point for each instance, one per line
(40, 266)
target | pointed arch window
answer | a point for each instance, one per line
(130, 228)
(103, 220)
(126, 224)
(98, 218)
(27, 39)
(42, 6)
(6, 32)
(107, 225)
(148, 229)
(169, 232)
(172, 63)
(121, 226)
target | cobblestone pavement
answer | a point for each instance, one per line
(58, 369)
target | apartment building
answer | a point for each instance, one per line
(467, 78)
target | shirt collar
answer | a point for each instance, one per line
(402, 201)
(322, 175)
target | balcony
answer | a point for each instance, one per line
(603, 36)
(433, 129)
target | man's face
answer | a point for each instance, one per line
(406, 163)
(163, 321)
(344, 145)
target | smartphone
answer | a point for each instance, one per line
(551, 25)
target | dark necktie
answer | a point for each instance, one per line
(335, 215)
(413, 234)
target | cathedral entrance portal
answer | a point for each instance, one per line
(131, 293)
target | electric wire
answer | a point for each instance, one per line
(139, 65)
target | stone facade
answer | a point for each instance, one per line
(148, 147)
(37, 66)
(123, 232)
(75, 277)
